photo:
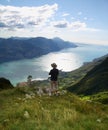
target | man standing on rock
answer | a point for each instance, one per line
(54, 77)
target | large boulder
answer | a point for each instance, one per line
(5, 84)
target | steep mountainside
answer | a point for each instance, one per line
(96, 80)
(70, 78)
(24, 48)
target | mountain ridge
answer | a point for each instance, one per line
(94, 81)
(25, 48)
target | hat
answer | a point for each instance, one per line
(54, 65)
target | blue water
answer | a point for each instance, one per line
(67, 60)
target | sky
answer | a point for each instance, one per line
(84, 21)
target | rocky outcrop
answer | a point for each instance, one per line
(5, 84)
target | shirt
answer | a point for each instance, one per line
(54, 74)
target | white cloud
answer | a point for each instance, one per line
(65, 14)
(21, 17)
(60, 24)
(39, 21)
(74, 26)
(77, 25)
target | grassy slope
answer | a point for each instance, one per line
(66, 112)
(68, 79)
(95, 81)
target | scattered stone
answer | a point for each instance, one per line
(19, 99)
(99, 120)
(63, 92)
(32, 94)
(40, 91)
(6, 120)
(22, 84)
(16, 104)
(27, 96)
(26, 115)
(89, 101)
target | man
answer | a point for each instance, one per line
(54, 77)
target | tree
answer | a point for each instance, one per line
(29, 79)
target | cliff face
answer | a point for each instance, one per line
(25, 48)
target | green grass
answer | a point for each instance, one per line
(101, 97)
(65, 112)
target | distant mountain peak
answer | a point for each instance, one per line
(57, 39)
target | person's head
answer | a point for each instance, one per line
(54, 65)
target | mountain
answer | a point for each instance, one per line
(70, 78)
(25, 48)
(63, 44)
(95, 81)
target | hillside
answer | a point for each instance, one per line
(23, 109)
(70, 78)
(25, 48)
(95, 81)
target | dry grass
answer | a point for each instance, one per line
(66, 112)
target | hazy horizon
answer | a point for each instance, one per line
(76, 21)
(19, 37)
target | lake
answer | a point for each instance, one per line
(67, 60)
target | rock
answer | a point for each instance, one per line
(5, 84)
(99, 120)
(26, 115)
(6, 121)
(27, 96)
(22, 84)
(40, 91)
(19, 98)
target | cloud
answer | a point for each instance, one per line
(74, 26)
(81, 26)
(65, 24)
(65, 14)
(38, 21)
(22, 17)
(60, 24)
(2, 25)
(77, 25)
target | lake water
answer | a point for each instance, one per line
(67, 60)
